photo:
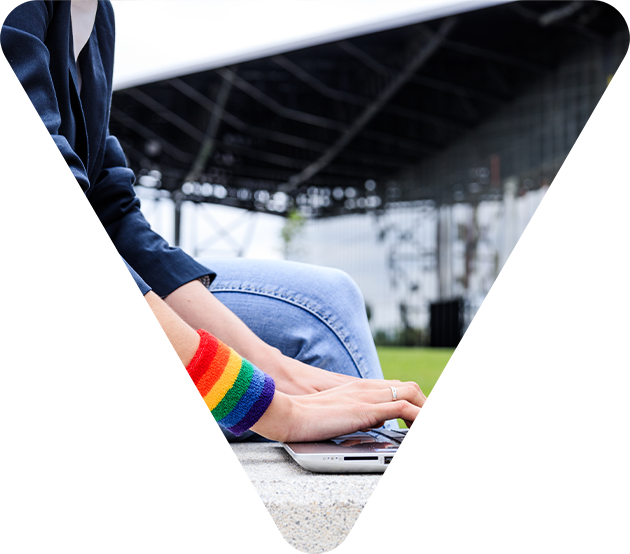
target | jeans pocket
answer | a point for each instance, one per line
(18, 437)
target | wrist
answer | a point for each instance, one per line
(236, 391)
(278, 420)
(270, 360)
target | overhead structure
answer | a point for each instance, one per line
(343, 127)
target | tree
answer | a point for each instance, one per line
(291, 230)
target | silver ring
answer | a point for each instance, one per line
(394, 395)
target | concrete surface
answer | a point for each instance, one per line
(254, 498)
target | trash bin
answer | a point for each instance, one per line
(447, 322)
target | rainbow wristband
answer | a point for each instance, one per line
(235, 390)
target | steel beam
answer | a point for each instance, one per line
(166, 114)
(241, 126)
(554, 16)
(356, 100)
(270, 103)
(296, 163)
(319, 121)
(494, 56)
(225, 233)
(207, 146)
(278, 176)
(366, 116)
(276, 136)
(267, 134)
(557, 16)
(147, 134)
(430, 82)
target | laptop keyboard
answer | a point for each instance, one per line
(455, 439)
(395, 435)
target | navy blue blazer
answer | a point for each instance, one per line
(75, 251)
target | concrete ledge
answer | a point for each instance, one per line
(253, 498)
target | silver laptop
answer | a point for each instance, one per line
(580, 413)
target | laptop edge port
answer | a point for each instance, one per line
(361, 458)
(392, 460)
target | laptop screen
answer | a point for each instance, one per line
(584, 393)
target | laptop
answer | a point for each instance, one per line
(580, 413)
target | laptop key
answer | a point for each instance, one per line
(390, 433)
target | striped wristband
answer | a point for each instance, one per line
(236, 391)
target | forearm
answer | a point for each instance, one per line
(240, 396)
(154, 341)
(201, 310)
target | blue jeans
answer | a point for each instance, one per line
(313, 314)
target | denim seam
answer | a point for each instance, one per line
(270, 294)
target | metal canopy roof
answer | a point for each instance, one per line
(259, 134)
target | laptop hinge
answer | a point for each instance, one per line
(562, 438)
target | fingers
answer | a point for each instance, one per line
(406, 391)
(344, 410)
(429, 423)
(426, 400)
(376, 392)
(393, 410)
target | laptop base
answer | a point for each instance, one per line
(376, 452)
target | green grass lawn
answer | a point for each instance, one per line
(470, 387)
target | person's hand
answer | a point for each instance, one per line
(359, 404)
(296, 378)
(202, 310)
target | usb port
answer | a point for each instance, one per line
(393, 459)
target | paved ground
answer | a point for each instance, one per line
(254, 498)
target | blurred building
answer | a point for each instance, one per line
(417, 154)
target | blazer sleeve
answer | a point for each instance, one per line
(66, 273)
(114, 200)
